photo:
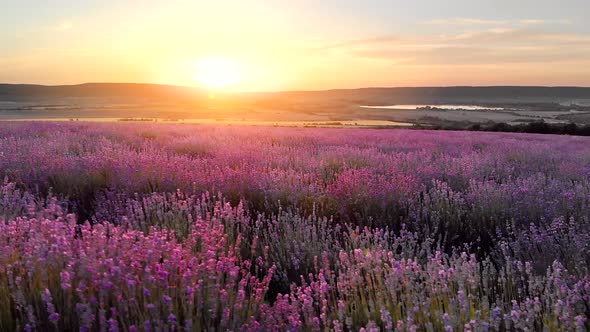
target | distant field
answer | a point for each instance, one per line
(511, 114)
(349, 115)
(160, 226)
(279, 123)
(513, 105)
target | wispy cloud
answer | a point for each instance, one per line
(532, 21)
(356, 42)
(487, 45)
(539, 21)
(464, 21)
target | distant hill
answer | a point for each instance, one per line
(128, 100)
(18, 92)
(363, 95)
(382, 96)
(461, 91)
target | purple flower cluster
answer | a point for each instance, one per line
(103, 275)
(113, 227)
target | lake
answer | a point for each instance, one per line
(444, 107)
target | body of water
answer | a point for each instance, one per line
(444, 107)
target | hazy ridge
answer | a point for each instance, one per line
(134, 90)
(515, 104)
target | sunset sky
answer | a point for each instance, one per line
(262, 45)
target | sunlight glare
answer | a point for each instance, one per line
(218, 73)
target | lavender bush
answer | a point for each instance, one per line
(153, 227)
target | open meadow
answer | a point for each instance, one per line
(174, 227)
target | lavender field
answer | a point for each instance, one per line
(156, 227)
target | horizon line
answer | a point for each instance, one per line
(296, 91)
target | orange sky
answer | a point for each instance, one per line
(277, 45)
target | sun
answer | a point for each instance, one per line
(218, 73)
